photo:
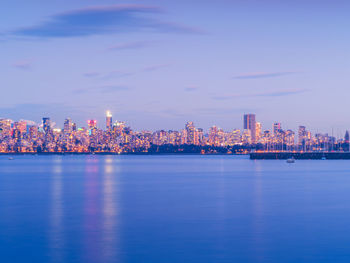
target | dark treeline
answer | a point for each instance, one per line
(197, 149)
(190, 149)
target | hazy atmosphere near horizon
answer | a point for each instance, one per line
(157, 64)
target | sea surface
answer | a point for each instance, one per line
(173, 208)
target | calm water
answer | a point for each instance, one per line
(173, 209)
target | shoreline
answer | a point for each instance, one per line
(113, 153)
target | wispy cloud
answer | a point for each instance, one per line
(260, 75)
(172, 113)
(204, 111)
(100, 20)
(102, 89)
(112, 88)
(277, 93)
(281, 93)
(130, 45)
(109, 75)
(22, 64)
(91, 74)
(121, 73)
(155, 67)
(117, 74)
(221, 111)
(191, 88)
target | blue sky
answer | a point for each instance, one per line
(157, 64)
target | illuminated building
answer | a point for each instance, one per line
(249, 124)
(22, 126)
(67, 126)
(26, 136)
(276, 128)
(257, 131)
(346, 140)
(346, 137)
(302, 135)
(184, 136)
(246, 137)
(108, 120)
(160, 137)
(174, 137)
(289, 140)
(92, 124)
(16, 135)
(118, 128)
(192, 137)
(5, 127)
(33, 132)
(47, 125)
(200, 135)
(213, 136)
(236, 137)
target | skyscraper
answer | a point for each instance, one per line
(302, 135)
(249, 124)
(92, 124)
(22, 126)
(257, 131)
(108, 120)
(213, 135)
(67, 127)
(276, 128)
(46, 125)
(5, 127)
(191, 133)
(346, 140)
(347, 137)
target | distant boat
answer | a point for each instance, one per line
(291, 160)
(10, 158)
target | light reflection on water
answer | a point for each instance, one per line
(56, 231)
(258, 210)
(110, 211)
(100, 220)
(172, 209)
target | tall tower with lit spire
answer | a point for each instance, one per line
(108, 120)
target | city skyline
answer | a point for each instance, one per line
(101, 123)
(159, 64)
(118, 137)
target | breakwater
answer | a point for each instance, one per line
(300, 155)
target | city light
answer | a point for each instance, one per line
(27, 137)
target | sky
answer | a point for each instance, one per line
(157, 64)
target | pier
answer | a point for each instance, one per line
(300, 155)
